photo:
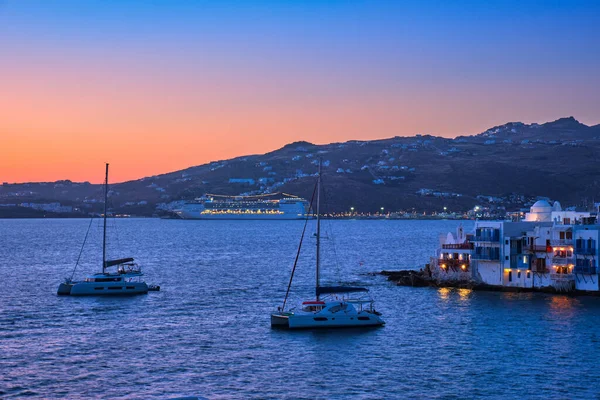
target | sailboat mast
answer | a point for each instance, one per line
(318, 228)
(104, 231)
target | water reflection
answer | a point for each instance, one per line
(563, 306)
(444, 293)
(464, 294)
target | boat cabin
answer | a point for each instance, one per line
(313, 306)
(104, 278)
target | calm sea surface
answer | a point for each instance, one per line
(207, 332)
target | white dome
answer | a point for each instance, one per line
(556, 206)
(541, 206)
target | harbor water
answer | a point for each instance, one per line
(207, 332)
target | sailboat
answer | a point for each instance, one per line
(334, 306)
(124, 280)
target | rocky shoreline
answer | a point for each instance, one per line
(421, 278)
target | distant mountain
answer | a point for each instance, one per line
(507, 165)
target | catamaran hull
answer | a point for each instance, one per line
(279, 321)
(316, 322)
(64, 289)
(106, 288)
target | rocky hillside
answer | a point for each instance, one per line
(506, 165)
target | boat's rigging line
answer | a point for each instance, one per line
(114, 226)
(330, 229)
(299, 247)
(82, 246)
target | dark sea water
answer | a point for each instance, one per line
(207, 332)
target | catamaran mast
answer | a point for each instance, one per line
(104, 232)
(318, 227)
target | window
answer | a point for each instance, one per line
(528, 274)
(569, 235)
(506, 242)
(506, 258)
(567, 221)
(510, 276)
(335, 309)
(519, 274)
(562, 235)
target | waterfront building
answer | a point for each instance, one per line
(550, 249)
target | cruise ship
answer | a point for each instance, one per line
(244, 207)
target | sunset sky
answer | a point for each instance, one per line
(156, 86)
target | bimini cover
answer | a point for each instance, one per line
(112, 263)
(340, 289)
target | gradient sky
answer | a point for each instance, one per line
(156, 86)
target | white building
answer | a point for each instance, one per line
(552, 249)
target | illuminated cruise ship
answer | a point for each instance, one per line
(244, 207)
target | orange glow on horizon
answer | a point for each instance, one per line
(64, 119)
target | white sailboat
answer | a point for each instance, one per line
(335, 306)
(125, 280)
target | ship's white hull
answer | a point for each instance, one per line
(190, 215)
(104, 288)
(315, 321)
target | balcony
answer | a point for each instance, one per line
(563, 260)
(585, 251)
(486, 257)
(491, 239)
(561, 242)
(537, 249)
(454, 263)
(562, 277)
(458, 246)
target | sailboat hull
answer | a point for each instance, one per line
(318, 320)
(315, 321)
(279, 321)
(108, 288)
(64, 289)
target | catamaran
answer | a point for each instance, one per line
(125, 280)
(334, 306)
